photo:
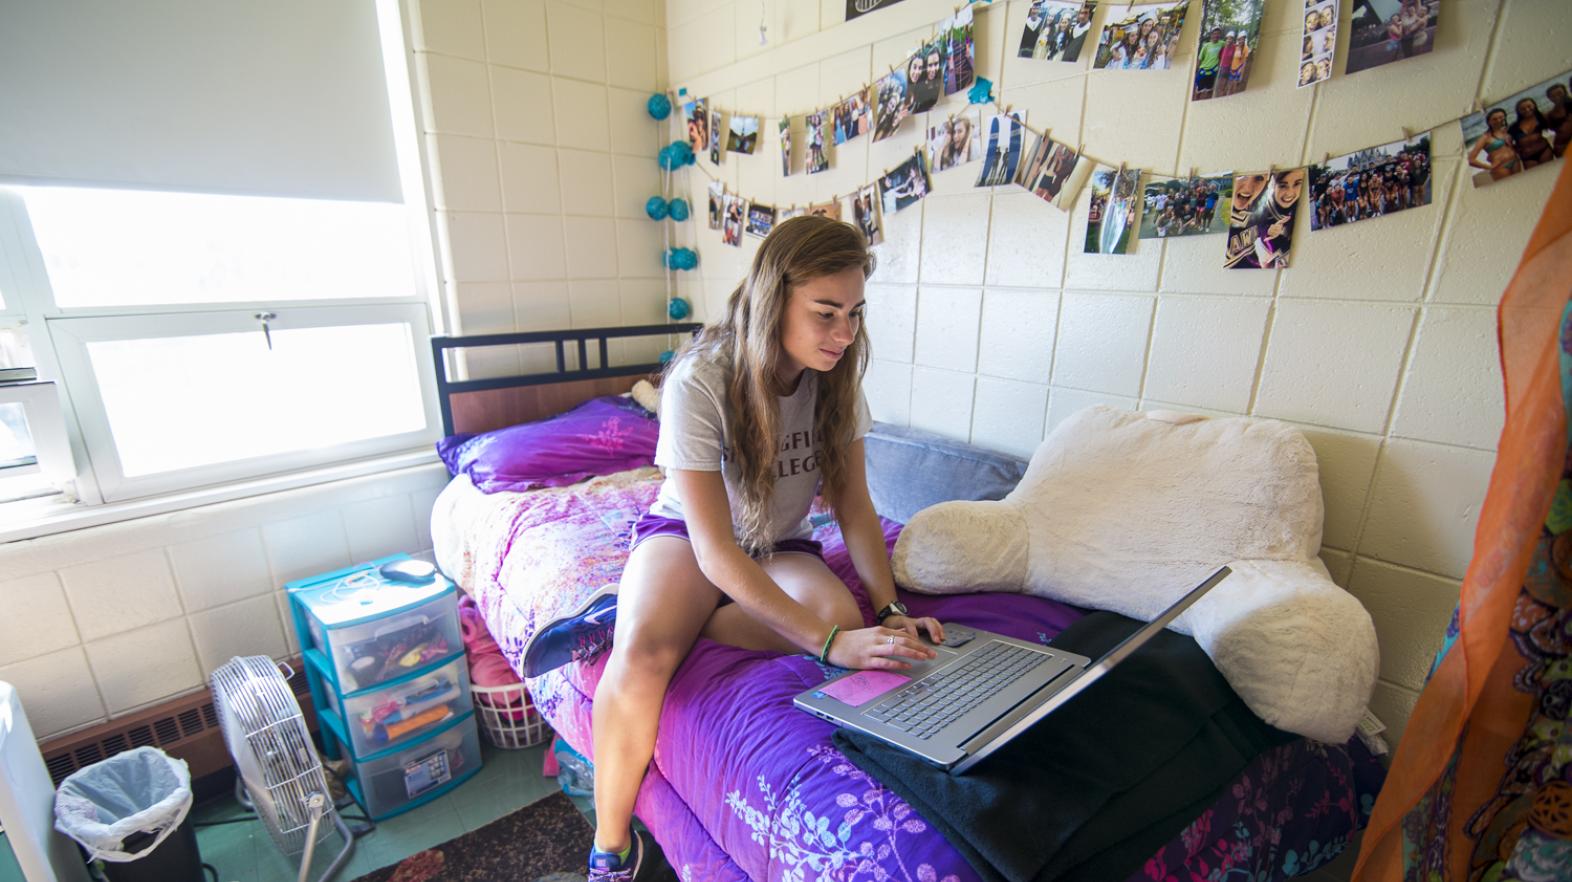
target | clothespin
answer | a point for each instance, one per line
(1328, 157)
(1408, 134)
(1192, 172)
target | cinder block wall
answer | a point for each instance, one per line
(988, 324)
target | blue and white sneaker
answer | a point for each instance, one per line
(606, 866)
(578, 635)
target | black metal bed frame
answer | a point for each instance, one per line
(447, 387)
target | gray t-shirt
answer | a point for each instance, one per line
(696, 434)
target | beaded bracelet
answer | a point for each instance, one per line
(824, 654)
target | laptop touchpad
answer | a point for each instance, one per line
(864, 686)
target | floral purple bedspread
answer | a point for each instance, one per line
(743, 785)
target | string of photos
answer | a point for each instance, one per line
(1257, 210)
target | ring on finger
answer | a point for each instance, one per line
(890, 640)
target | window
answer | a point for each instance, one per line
(207, 338)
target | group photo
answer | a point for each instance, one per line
(1230, 33)
(1056, 30)
(1531, 128)
(1370, 183)
(1384, 31)
(1186, 206)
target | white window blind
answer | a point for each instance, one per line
(282, 98)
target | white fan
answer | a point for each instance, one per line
(275, 759)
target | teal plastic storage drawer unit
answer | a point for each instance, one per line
(385, 662)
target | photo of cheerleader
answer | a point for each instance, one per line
(1056, 29)
(1261, 222)
(1373, 182)
(1110, 221)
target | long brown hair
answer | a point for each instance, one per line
(747, 337)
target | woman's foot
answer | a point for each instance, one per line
(610, 866)
(580, 634)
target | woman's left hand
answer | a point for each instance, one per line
(915, 626)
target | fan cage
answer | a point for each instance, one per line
(259, 715)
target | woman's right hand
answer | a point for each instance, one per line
(877, 649)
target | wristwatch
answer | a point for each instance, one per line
(893, 608)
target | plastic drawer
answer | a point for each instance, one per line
(373, 652)
(403, 711)
(390, 784)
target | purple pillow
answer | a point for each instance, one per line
(600, 436)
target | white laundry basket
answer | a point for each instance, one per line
(508, 716)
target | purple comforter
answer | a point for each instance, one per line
(744, 785)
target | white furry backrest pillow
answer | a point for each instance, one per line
(1127, 511)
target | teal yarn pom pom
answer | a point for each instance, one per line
(666, 356)
(659, 106)
(655, 207)
(678, 209)
(981, 91)
(678, 309)
(680, 258)
(675, 155)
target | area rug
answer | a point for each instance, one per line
(544, 840)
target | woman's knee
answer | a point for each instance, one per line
(837, 608)
(648, 660)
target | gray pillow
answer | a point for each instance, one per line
(909, 470)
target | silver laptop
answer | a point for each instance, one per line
(981, 691)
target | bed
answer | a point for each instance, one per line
(743, 785)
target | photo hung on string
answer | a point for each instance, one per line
(925, 77)
(785, 214)
(890, 105)
(743, 136)
(1319, 42)
(1261, 219)
(735, 208)
(1056, 30)
(1529, 129)
(905, 185)
(1383, 31)
(851, 117)
(960, 51)
(785, 126)
(818, 158)
(831, 209)
(1370, 183)
(865, 211)
(954, 142)
(717, 203)
(1191, 206)
(1110, 219)
(1002, 156)
(1230, 33)
(715, 137)
(1145, 39)
(761, 219)
(1053, 172)
(697, 115)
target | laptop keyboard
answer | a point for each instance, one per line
(930, 704)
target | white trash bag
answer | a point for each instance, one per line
(140, 790)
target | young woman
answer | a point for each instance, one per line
(763, 408)
(1501, 158)
(1528, 134)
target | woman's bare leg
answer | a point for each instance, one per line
(662, 604)
(807, 579)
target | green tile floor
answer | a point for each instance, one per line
(243, 852)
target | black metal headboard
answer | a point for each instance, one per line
(446, 388)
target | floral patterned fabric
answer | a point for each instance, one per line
(744, 785)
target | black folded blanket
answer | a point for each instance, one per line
(1096, 788)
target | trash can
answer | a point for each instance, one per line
(130, 811)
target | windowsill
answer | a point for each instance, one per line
(32, 518)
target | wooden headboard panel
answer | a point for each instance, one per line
(496, 402)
